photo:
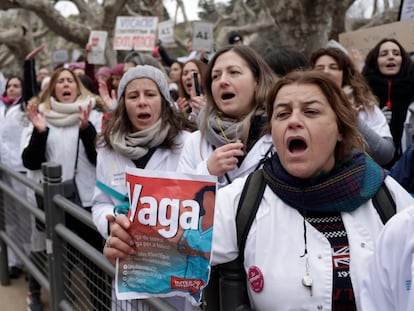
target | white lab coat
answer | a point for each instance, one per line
(110, 170)
(388, 282)
(61, 148)
(276, 242)
(196, 152)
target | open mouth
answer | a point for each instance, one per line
(297, 145)
(144, 116)
(391, 65)
(67, 94)
(226, 96)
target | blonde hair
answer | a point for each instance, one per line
(45, 95)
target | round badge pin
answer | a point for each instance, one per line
(255, 279)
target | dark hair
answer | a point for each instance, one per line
(7, 83)
(361, 91)
(261, 72)
(88, 83)
(200, 197)
(371, 60)
(202, 69)
(347, 125)
(234, 38)
(119, 122)
(138, 58)
(286, 59)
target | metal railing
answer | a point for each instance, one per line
(75, 274)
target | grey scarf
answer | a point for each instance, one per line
(136, 145)
(223, 130)
(65, 114)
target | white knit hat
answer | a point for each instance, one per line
(149, 72)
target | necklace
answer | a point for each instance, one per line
(224, 134)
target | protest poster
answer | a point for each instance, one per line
(365, 39)
(171, 218)
(203, 38)
(135, 33)
(406, 10)
(166, 32)
(97, 41)
(60, 56)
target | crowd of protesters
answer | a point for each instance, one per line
(327, 135)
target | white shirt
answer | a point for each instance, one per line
(61, 148)
(376, 121)
(110, 170)
(197, 150)
(388, 283)
(275, 244)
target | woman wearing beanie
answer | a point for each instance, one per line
(145, 131)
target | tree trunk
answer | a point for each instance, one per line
(307, 24)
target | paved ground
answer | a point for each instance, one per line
(13, 296)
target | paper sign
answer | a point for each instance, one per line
(97, 40)
(135, 33)
(407, 10)
(60, 56)
(366, 39)
(166, 32)
(171, 218)
(203, 36)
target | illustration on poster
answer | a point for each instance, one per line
(157, 213)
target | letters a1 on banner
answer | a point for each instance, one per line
(203, 36)
(166, 32)
(135, 33)
(171, 218)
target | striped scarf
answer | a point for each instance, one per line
(346, 187)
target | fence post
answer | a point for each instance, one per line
(52, 178)
(4, 264)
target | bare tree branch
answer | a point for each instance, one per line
(74, 32)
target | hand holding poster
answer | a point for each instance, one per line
(171, 217)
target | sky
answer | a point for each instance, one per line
(67, 8)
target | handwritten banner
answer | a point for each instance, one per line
(166, 32)
(203, 38)
(407, 10)
(135, 33)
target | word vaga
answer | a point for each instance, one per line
(159, 211)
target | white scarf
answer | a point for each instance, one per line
(65, 114)
(136, 145)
